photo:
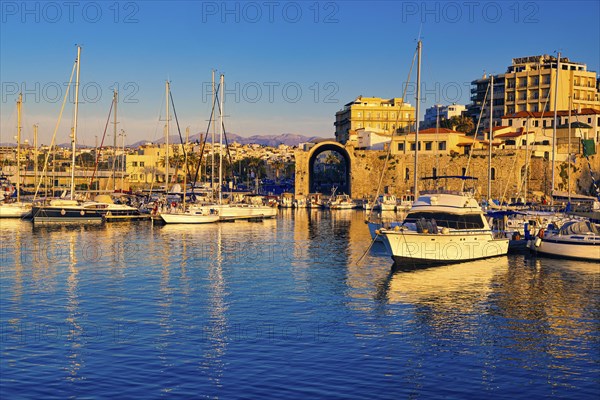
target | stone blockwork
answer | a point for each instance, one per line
(368, 167)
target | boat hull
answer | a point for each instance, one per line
(232, 212)
(14, 210)
(416, 250)
(51, 214)
(188, 218)
(589, 251)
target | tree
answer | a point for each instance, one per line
(85, 160)
(278, 166)
(459, 123)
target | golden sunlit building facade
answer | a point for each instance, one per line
(530, 84)
(384, 115)
(147, 165)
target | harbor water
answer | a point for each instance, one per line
(285, 308)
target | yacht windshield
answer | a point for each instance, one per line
(449, 220)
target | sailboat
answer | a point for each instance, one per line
(192, 214)
(441, 227)
(575, 239)
(233, 211)
(16, 209)
(68, 210)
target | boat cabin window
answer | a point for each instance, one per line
(448, 220)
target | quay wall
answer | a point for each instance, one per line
(369, 169)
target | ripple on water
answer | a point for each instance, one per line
(283, 309)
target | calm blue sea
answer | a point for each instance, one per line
(284, 309)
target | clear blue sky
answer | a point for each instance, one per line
(289, 66)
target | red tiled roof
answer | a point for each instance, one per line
(550, 114)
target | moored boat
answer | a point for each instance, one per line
(192, 215)
(575, 239)
(443, 228)
(65, 211)
(340, 202)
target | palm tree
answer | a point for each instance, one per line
(459, 123)
(278, 166)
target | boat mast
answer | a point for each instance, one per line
(35, 152)
(221, 143)
(167, 90)
(418, 100)
(526, 158)
(114, 172)
(19, 105)
(185, 163)
(122, 160)
(490, 137)
(554, 127)
(569, 153)
(212, 142)
(74, 134)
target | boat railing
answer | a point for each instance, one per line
(446, 191)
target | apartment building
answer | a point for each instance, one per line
(387, 115)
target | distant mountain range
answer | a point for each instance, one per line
(288, 139)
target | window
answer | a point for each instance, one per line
(536, 123)
(142, 177)
(464, 172)
(510, 122)
(134, 163)
(400, 146)
(442, 145)
(407, 174)
(412, 146)
(493, 174)
(434, 172)
(448, 220)
(428, 146)
(142, 163)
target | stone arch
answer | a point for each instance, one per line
(335, 147)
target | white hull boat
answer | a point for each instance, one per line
(15, 210)
(231, 212)
(576, 240)
(443, 228)
(190, 216)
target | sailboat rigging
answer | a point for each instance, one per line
(18, 209)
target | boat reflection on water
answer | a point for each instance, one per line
(458, 288)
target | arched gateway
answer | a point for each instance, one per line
(305, 162)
